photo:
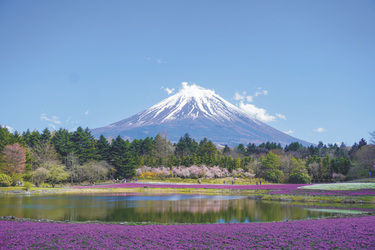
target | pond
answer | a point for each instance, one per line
(159, 208)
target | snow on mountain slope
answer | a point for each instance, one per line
(201, 113)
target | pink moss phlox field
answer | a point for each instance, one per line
(207, 186)
(343, 233)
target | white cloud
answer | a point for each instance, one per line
(258, 113)
(160, 61)
(168, 90)
(10, 129)
(249, 98)
(261, 92)
(320, 130)
(87, 112)
(157, 60)
(289, 132)
(238, 96)
(54, 119)
(281, 116)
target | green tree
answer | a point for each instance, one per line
(207, 151)
(269, 165)
(6, 138)
(46, 135)
(103, 148)
(121, 158)
(62, 140)
(84, 145)
(57, 173)
(269, 162)
(186, 146)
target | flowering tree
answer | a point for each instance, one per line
(14, 159)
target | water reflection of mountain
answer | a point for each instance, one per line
(162, 209)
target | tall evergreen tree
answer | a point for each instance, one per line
(62, 140)
(6, 138)
(84, 145)
(121, 158)
(186, 146)
(46, 135)
(103, 148)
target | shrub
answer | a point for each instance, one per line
(274, 175)
(27, 185)
(338, 177)
(299, 178)
(5, 180)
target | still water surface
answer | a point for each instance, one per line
(148, 207)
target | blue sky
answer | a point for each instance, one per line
(304, 67)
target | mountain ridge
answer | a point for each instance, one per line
(201, 113)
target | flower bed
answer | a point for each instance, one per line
(343, 233)
(202, 186)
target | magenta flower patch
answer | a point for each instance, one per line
(344, 233)
(212, 186)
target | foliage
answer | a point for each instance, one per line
(27, 185)
(40, 175)
(299, 178)
(274, 175)
(338, 177)
(57, 174)
(94, 171)
(14, 159)
(5, 180)
(75, 149)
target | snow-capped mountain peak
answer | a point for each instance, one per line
(193, 101)
(201, 113)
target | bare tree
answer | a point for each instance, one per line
(372, 139)
(43, 153)
(72, 165)
(14, 160)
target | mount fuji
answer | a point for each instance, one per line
(201, 113)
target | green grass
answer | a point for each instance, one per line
(320, 199)
(341, 186)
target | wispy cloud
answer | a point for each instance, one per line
(238, 96)
(168, 90)
(281, 116)
(261, 92)
(87, 112)
(257, 113)
(156, 60)
(289, 132)
(320, 130)
(242, 96)
(54, 119)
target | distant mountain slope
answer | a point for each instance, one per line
(201, 113)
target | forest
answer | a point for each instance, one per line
(62, 156)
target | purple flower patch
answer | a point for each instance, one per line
(343, 233)
(212, 186)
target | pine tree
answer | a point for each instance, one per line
(103, 148)
(121, 158)
(84, 145)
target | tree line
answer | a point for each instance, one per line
(77, 157)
